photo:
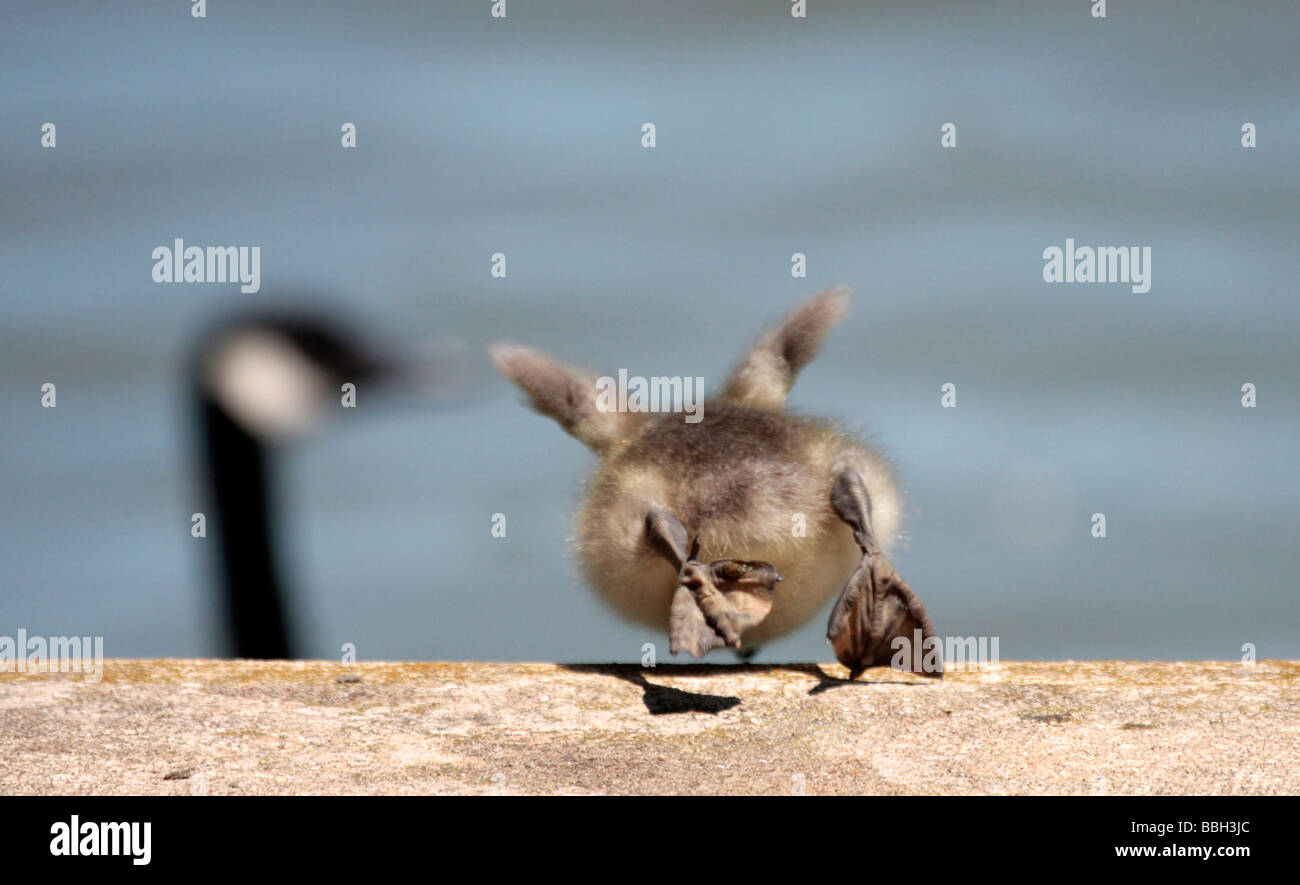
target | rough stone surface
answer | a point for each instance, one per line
(248, 727)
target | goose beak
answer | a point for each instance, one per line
(434, 372)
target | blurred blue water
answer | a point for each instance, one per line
(774, 136)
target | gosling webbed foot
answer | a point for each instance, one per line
(876, 606)
(716, 603)
(713, 604)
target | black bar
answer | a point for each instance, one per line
(657, 835)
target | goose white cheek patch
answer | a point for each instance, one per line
(266, 384)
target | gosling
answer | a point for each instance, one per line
(692, 524)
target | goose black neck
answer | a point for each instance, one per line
(239, 485)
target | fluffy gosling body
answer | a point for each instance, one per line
(692, 526)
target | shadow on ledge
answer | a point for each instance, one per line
(661, 699)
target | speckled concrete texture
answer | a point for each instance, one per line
(254, 727)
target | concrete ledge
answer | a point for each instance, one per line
(248, 727)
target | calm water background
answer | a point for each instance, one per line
(774, 136)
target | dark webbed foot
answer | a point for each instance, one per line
(877, 606)
(714, 604)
